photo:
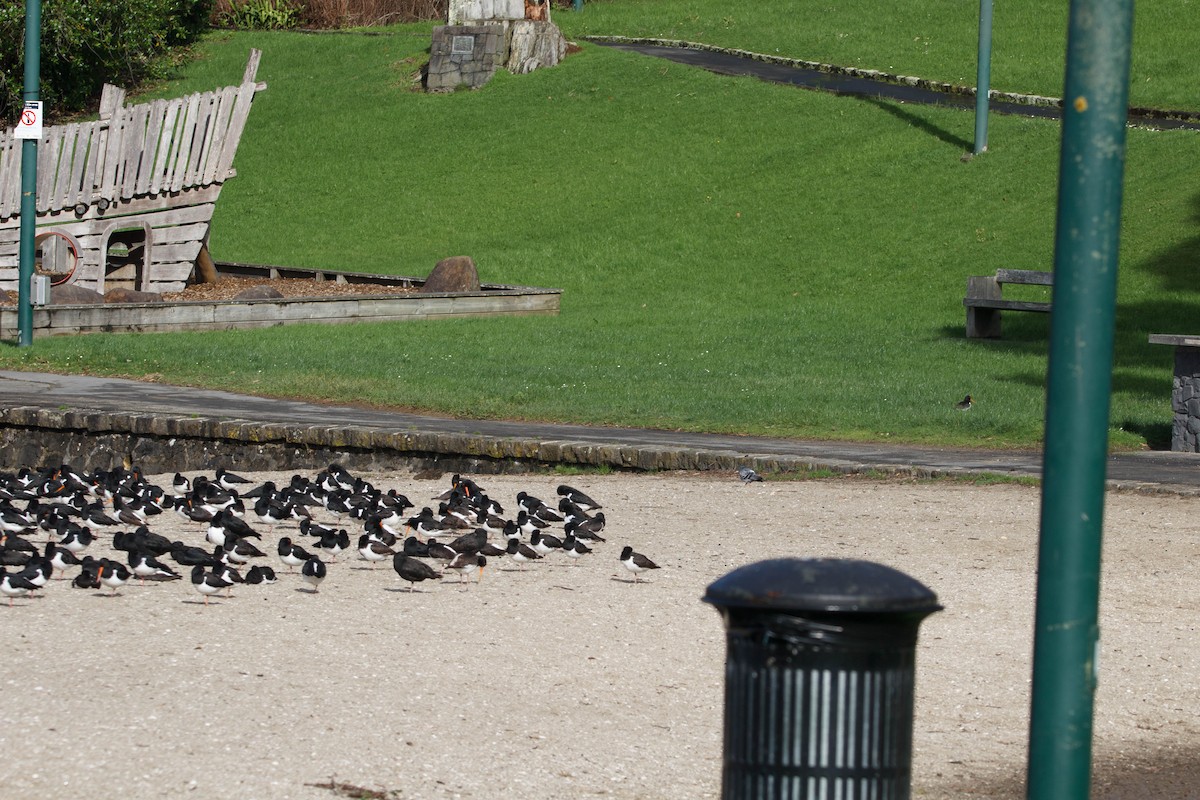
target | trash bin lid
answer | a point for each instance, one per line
(821, 584)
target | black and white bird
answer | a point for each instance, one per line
(578, 498)
(146, 566)
(113, 574)
(206, 583)
(575, 548)
(636, 562)
(521, 552)
(588, 529)
(14, 585)
(465, 562)
(313, 572)
(292, 555)
(373, 551)
(748, 475)
(544, 544)
(60, 558)
(965, 404)
(334, 543)
(230, 481)
(260, 574)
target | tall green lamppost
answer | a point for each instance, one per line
(1078, 388)
(33, 58)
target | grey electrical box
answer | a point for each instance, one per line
(39, 290)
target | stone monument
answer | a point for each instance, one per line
(482, 36)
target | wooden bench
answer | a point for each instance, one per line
(985, 300)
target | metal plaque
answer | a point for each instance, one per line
(462, 45)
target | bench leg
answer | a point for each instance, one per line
(983, 323)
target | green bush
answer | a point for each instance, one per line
(87, 43)
(270, 15)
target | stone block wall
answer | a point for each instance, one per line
(465, 55)
(1185, 401)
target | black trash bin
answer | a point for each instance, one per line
(819, 678)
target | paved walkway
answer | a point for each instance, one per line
(1172, 472)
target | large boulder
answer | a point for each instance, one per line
(260, 292)
(454, 274)
(123, 295)
(70, 294)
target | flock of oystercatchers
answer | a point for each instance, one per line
(75, 509)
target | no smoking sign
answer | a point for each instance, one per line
(29, 126)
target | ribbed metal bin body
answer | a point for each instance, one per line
(819, 679)
(815, 711)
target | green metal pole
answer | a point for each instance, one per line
(33, 59)
(983, 75)
(1091, 167)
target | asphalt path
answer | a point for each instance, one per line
(856, 85)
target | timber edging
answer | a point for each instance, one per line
(493, 299)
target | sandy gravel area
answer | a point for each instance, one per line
(565, 681)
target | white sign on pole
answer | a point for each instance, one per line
(29, 126)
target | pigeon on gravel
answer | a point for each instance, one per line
(748, 475)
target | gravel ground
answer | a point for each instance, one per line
(571, 680)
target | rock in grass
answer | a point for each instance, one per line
(454, 274)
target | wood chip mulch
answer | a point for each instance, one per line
(227, 288)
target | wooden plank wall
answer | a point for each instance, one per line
(147, 163)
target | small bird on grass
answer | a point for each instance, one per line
(965, 404)
(748, 475)
(636, 562)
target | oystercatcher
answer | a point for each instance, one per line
(465, 562)
(573, 495)
(145, 565)
(60, 558)
(313, 572)
(14, 586)
(587, 529)
(544, 544)
(206, 583)
(575, 548)
(292, 555)
(113, 574)
(413, 570)
(230, 481)
(636, 562)
(521, 552)
(373, 551)
(260, 574)
(470, 542)
(334, 543)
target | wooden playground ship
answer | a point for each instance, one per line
(127, 200)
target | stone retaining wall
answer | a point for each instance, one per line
(162, 444)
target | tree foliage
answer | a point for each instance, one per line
(87, 43)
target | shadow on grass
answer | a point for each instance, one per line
(1176, 267)
(902, 113)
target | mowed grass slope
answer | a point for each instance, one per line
(935, 39)
(735, 256)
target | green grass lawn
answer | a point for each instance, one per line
(735, 256)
